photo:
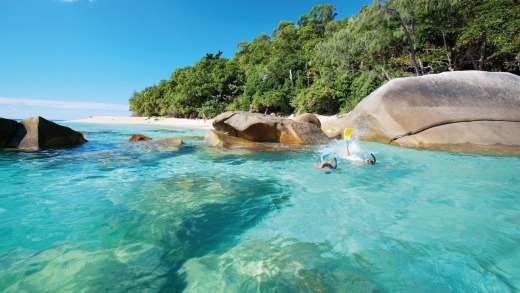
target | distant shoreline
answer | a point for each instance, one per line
(175, 122)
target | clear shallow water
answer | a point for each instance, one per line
(125, 217)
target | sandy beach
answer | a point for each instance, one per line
(176, 122)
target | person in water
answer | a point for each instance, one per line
(366, 161)
(370, 161)
(328, 161)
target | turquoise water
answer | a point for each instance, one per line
(130, 217)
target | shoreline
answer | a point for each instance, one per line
(121, 120)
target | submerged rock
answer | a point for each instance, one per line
(7, 131)
(164, 145)
(465, 110)
(167, 142)
(37, 132)
(257, 127)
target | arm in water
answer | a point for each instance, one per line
(366, 161)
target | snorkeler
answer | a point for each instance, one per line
(366, 161)
(370, 161)
(328, 161)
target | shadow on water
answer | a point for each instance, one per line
(213, 212)
(149, 155)
(138, 239)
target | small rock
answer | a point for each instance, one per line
(139, 137)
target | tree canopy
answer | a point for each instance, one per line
(326, 66)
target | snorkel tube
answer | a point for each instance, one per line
(373, 157)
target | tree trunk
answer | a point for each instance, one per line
(411, 52)
(420, 64)
(472, 59)
(482, 52)
(410, 38)
(450, 68)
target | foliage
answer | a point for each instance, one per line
(326, 66)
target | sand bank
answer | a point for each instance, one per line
(176, 122)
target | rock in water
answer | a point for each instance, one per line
(139, 137)
(7, 131)
(264, 128)
(464, 110)
(221, 140)
(37, 132)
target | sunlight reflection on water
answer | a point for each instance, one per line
(115, 216)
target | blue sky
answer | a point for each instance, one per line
(68, 59)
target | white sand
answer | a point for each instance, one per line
(176, 122)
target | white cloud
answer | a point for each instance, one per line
(62, 104)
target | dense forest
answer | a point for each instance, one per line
(326, 66)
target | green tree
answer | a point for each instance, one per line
(326, 66)
(491, 37)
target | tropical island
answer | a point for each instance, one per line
(435, 76)
(327, 66)
(241, 200)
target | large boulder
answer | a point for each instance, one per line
(309, 118)
(7, 131)
(222, 140)
(465, 110)
(264, 128)
(37, 132)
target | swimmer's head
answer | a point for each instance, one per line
(370, 161)
(327, 166)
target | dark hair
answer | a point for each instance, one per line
(327, 165)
